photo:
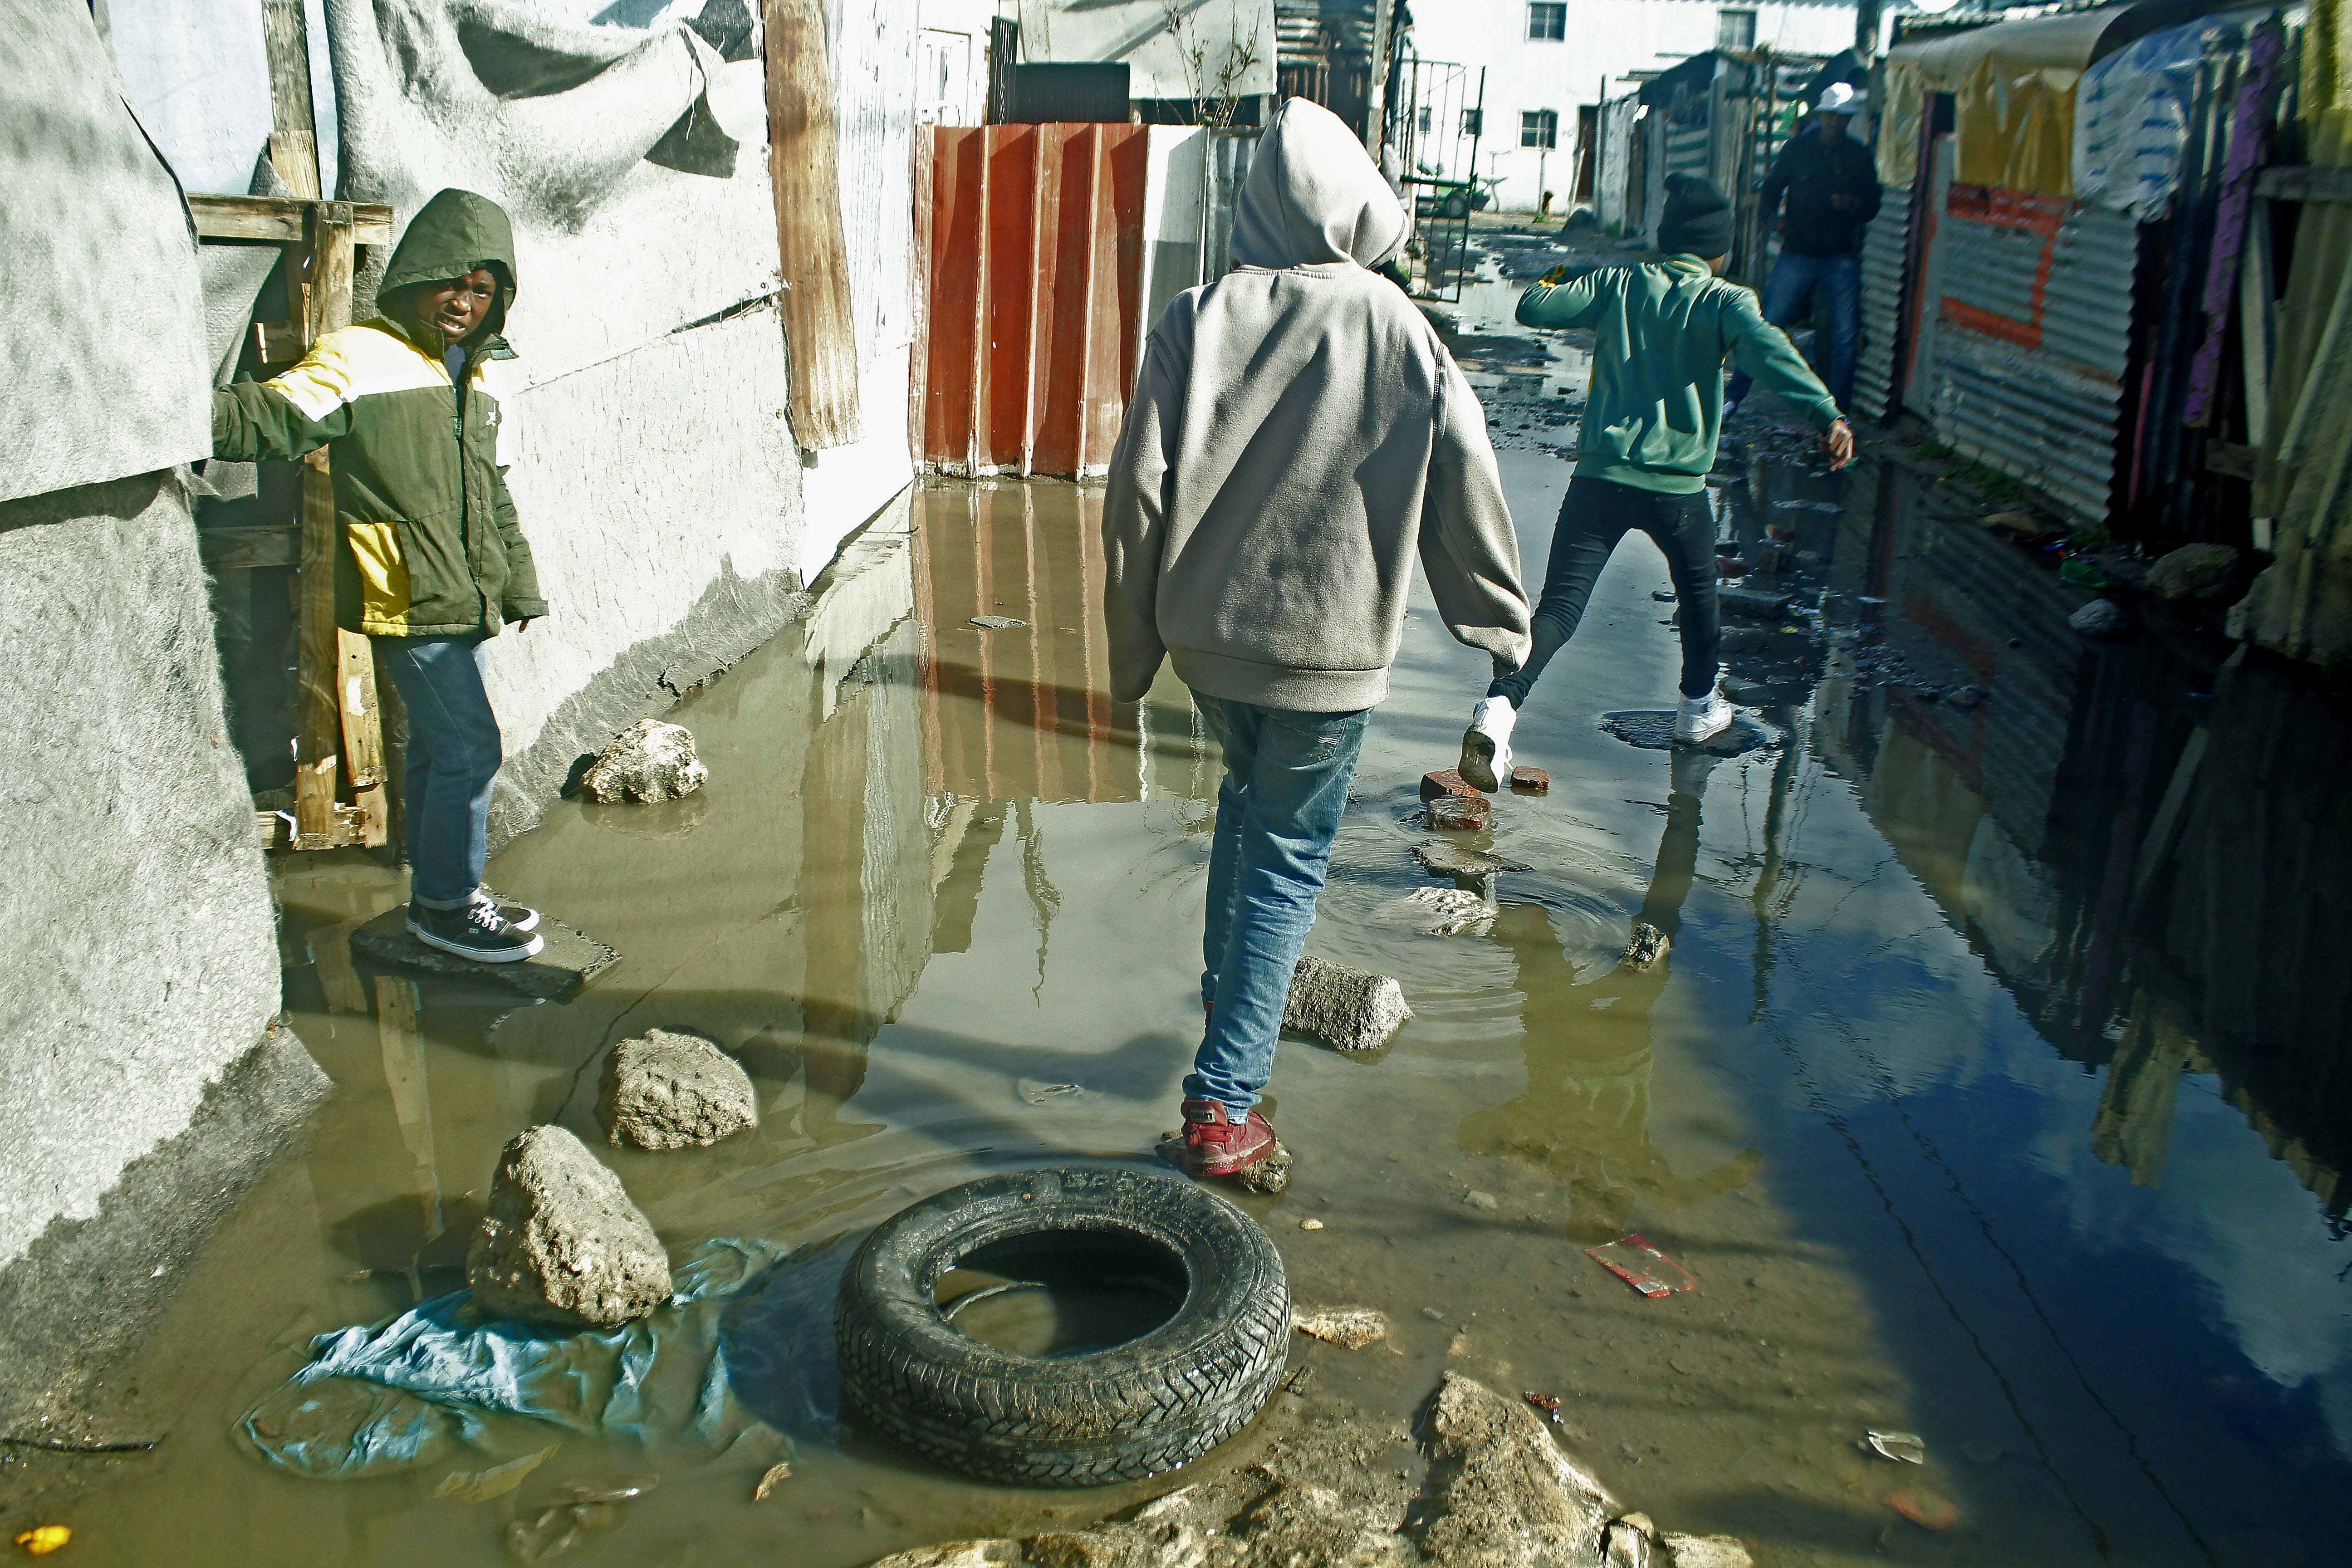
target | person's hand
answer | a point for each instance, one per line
(1842, 201)
(1838, 442)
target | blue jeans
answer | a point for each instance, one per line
(1789, 298)
(453, 758)
(1285, 790)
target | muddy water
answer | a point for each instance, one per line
(1988, 1088)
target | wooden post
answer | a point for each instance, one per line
(803, 165)
(318, 725)
(293, 136)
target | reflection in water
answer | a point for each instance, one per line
(1585, 1115)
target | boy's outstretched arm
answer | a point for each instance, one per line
(288, 416)
(1469, 550)
(1557, 300)
(1135, 522)
(1765, 352)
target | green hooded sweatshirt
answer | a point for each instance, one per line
(1656, 406)
(430, 543)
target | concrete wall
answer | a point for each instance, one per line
(1606, 39)
(142, 956)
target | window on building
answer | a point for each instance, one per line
(1735, 29)
(1540, 128)
(1474, 122)
(1547, 19)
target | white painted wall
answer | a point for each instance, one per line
(1606, 39)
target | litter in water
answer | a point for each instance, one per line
(1549, 1403)
(1350, 1327)
(555, 1529)
(996, 623)
(1037, 1093)
(42, 1540)
(1633, 1259)
(481, 1486)
(1925, 1508)
(776, 1476)
(1906, 1447)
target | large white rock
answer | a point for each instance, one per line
(649, 760)
(562, 1243)
(670, 1089)
(1348, 1009)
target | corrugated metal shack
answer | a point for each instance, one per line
(2059, 283)
(1722, 114)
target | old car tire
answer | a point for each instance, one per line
(1134, 1410)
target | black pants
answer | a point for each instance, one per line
(1596, 514)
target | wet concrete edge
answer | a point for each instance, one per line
(734, 616)
(84, 1297)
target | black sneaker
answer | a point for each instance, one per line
(522, 917)
(475, 932)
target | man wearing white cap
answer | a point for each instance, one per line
(1831, 186)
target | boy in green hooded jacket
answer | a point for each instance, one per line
(430, 560)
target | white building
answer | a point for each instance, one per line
(1549, 64)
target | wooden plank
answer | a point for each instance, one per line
(803, 165)
(2304, 183)
(2258, 323)
(279, 220)
(318, 726)
(293, 135)
(363, 724)
(247, 549)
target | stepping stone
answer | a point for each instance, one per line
(1449, 859)
(1532, 781)
(556, 973)
(1348, 1009)
(1756, 604)
(1446, 782)
(1459, 814)
(1653, 730)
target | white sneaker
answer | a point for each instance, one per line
(1701, 719)
(1486, 744)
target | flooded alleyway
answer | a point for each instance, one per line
(1993, 1086)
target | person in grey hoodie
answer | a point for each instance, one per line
(1298, 434)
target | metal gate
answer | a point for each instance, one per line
(1442, 117)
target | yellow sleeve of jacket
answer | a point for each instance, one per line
(290, 415)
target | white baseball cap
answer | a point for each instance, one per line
(1843, 98)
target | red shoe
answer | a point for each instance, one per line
(1215, 1145)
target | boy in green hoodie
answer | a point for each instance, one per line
(429, 560)
(1647, 444)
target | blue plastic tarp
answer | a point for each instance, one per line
(403, 1393)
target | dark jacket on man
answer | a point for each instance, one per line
(429, 544)
(1810, 172)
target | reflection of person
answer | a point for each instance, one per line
(1297, 432)
(1831, 188)
(1647, 445)
(1585, 1115)
(430, 558)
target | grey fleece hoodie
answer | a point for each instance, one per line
(1297, 433)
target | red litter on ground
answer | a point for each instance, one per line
(1633, 1259)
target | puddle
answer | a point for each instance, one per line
(1032, 1300)
(1990, 1087)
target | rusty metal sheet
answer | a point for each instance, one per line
(1035, 276)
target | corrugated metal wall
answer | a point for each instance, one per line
(2033, 338)
(1036, 268)
(1885, 257)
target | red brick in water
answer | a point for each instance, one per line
(1460, 812)
(1534, 780)
(1447, 782)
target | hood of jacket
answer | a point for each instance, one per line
(1314, 197)
(450, 235)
